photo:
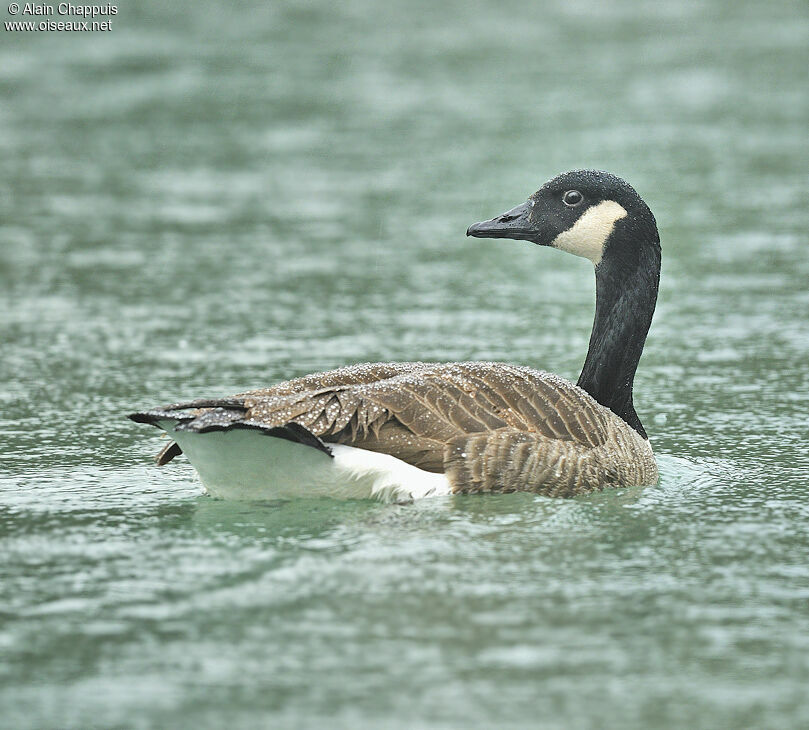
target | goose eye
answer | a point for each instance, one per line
(572, 198)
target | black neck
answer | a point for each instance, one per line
(626, 292)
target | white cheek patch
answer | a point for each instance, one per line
(587, 236)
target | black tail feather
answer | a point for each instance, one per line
(158, 414)
(229, 403)
(167, 453)
(295, 432)
(219, 418)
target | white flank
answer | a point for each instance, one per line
(247, 464)
(587, 236)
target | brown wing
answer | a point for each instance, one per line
(489, 426)
(413, 410)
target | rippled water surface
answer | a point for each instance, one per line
(214, 197)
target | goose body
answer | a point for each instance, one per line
(401, 431)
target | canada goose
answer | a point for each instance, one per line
(409, 430)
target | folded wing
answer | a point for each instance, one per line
(489, 426)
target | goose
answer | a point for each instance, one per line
(404, 431)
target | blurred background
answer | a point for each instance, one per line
(212, 197)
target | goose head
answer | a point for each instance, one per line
(598, 216)
(588, 213)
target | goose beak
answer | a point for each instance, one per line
(514, 224)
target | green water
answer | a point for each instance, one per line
(213, 197)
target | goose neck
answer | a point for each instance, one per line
(626, 293)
